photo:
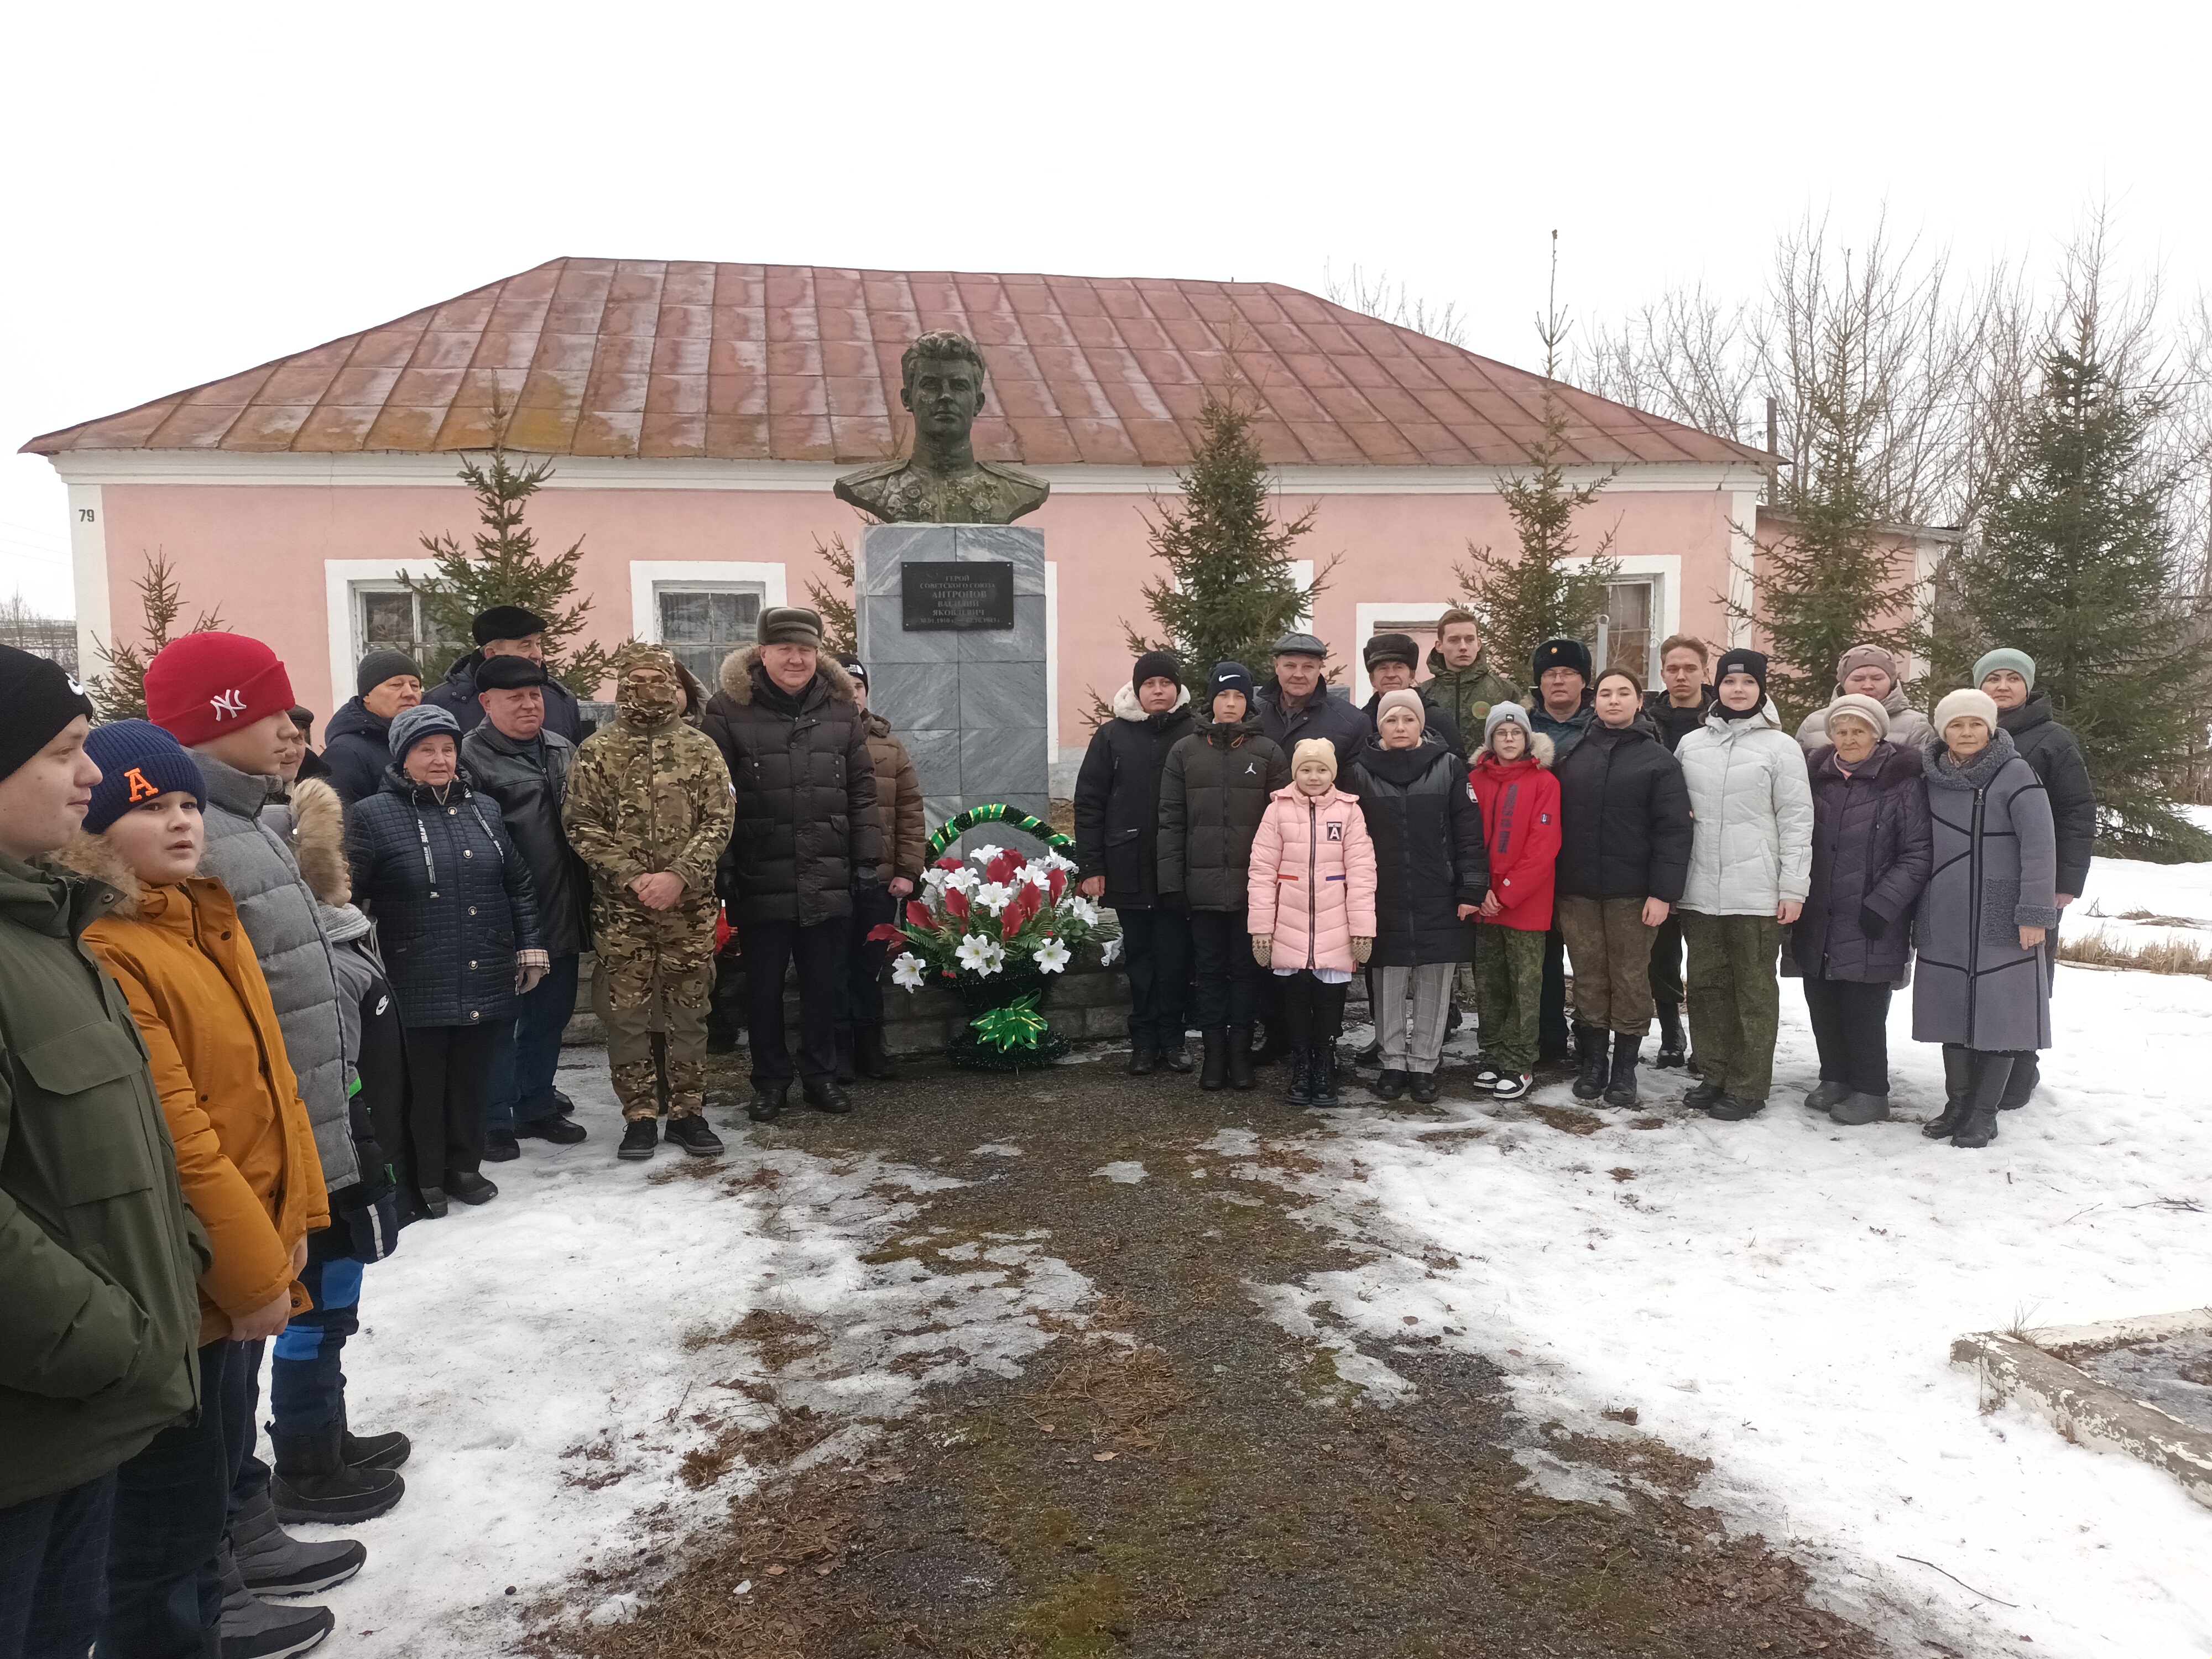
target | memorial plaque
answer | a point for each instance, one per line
(967, 595)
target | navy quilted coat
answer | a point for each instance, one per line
(451, 896)
(1870, 851)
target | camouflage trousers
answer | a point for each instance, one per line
(656, 989)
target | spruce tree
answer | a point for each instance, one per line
(1543, 589)
(1229, 593)
(2076, 566)
(503, 566)
(841, 625)
(118, 692)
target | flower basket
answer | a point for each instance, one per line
(998, 928)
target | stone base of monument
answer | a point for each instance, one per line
(952, 626)
(2139, 1386)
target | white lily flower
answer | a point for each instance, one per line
(995, 896)
(1112, 953)
(975, 953)
(1055, 859)
(906, 971)
(1035, 875)
(933, 878)
(986, 853)
(966, 880)
(1083, 910)
(1051, 957)
(997, 956)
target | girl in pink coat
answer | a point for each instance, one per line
(1312, 909)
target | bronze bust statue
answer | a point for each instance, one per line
(942, 482)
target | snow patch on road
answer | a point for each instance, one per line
(1128, 1172)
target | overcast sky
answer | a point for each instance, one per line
(198, 189)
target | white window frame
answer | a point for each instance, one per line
(342, 579)
(648, 576)
(1367, 620)
(1664, 572)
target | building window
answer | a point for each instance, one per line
(1623, 633)
(385, 614)
(702, 622)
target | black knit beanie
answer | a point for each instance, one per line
(40, 700)
(1742, 659)
(1156, 665)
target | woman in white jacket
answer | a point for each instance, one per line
(1751, 864)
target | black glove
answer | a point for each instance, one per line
(1872, 922)
(365, 1217)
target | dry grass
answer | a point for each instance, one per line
(2097, 949)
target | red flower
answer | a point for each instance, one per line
(919, 914)
(1059, 885)
(955, 903)
(886, 932)
(948, 864)
(1002, 867)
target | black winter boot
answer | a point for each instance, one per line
(272, 1562)
(1621, 1085)
(1240, 1057)
(372, 1451)
(469, 1187)
(2027, 1073)
(1422, 1086)
(1596, 1063)
(768, 1100)
(640, 1136)
(875, 1061)
(1699, 1096)
(1991, 1072)
(1144, 1059)
(1958, 1082)
(1214, 1071)
(313, 1483)
(823, 1095)
(691, 1134)
(1390, 1084)
(1320, 1077)
(1673, 1045)
(251, 1629)
(1300, 1090)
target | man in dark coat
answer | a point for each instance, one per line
(98, 1251)
(1560, 708)
(808, 836)
(357, 744)
(505, 630)
(1300, 704)
(514, 758)
(1675, 708)
(1117, 827)
(1391, 659)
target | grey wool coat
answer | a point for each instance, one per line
(1996, 871)
(283, 919)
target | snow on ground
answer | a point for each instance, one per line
(2118, 887)
(551, 1353)
(1781, 1295)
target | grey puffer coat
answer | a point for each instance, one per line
(1213, 796)
(1996, 871)
(1870, 852)
(450, 895)
(283, 919)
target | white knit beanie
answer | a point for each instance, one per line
(1400, 697)
(1860, 707)
(1965, 702)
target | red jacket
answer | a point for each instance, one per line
(1520, 805)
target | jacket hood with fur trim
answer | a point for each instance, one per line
(1127, 707)
(1541, 749)
(96, 856)
(318, 840)
(737, 676)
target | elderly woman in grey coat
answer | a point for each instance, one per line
(1979, 987)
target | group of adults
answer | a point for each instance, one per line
(1620, 829)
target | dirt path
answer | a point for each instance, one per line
(1179, 1473)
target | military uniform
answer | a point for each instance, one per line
(907, 492)
(649, 794)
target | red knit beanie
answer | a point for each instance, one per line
(206, 685)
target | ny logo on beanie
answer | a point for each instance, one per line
(229, 703)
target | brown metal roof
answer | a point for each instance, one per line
(675, 358)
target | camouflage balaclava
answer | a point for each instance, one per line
(658, 698)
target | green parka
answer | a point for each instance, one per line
(99, 1257)
(1213, 792)
(1466, 694)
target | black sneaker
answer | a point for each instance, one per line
(640, 1136)
(501, 1148)
(1175, 1056)
(552, 1127)
(691, 1134)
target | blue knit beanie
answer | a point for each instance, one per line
(137, 762)
(2019, 661)
(411, 725)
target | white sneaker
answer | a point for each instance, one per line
(1512, 1088)
(1487, 1079)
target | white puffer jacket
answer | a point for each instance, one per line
(1752, 846)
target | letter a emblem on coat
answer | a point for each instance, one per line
(1336, 832)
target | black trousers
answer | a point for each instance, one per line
(861, 993)
(1850, 1027)
(1230, 982)
(1667, 965)
(448, 1075)
(53, 1572)
(172, 1505)
(1551, 1005)
(1313, 1013)
(1156, 944)
(770, 948)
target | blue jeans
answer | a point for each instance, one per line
(307, 1388)
(521, 1088)
(53, 1572)
(172, 1504)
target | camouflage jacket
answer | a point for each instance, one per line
(1466, 694)
(641, 801)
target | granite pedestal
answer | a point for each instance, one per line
(968, 703)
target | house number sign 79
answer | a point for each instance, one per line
(85, 515)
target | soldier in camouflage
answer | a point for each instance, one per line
(649, 811)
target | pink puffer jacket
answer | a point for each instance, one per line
(1313, 878)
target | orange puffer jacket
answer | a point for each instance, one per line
(1312, 882)
(246, 1151)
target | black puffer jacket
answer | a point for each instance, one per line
(450, 895)
(807, 825)
(529, 782)
(1327, 714)
(1213, 796)
(1870, 852)
(1673, 724)
(2055, 755)
(356, 749)
(457, 695)
(1437, 727)
(1117, 798)
(1624, 817)
(1429, 858)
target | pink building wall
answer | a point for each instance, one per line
(258, 550)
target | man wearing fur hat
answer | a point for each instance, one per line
(808, 836)
(1391, 659)
(648, 812)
